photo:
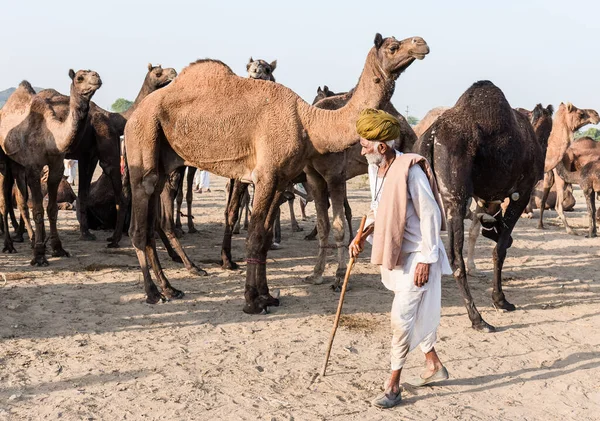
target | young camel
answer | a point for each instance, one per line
(498, 141)
(32, 135)
(252, 130)
(567, 120)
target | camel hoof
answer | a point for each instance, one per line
(87, 236)
(230, 265)
(60, 252)
(194, 270)
(571, 232)
(236, 231)
(9, 248)
(337, 287)
(113, 245)
(314, 279)
(310, 237)
(110, 239)
(176, 258)
(178, 232)
(475, 273)
(156, 298)
(297, 229)
(39, 261)
(192, 230)
(261, 304)
(172, 293)
(504, 305)
(275, 246)
(540, 227)
(592, 235)
(484, 327)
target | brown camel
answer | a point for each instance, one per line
(252, 130)
(469, 146)
(257, 69)
(536, 198)
(101, 143)
(567, 120)
(426, 122)
(326, 178)
(590, 184)
(580, 156)
(32, 135)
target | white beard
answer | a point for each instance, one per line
(375, 158)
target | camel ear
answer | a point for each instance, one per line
(71, 74)
(249, 63)
(150, 66)
(378, 40)
(569, 107)
(319, 90)
(273, 65)
(325, 88)
(550, 109)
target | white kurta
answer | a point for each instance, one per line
(202, 179)
(416, 310)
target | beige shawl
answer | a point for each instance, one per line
(391, 212)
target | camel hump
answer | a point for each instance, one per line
(205, 66)
(27, 86)
(485, 105)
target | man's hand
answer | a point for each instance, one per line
(357, 245)
(421, 274)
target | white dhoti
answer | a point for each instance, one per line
(415, 313)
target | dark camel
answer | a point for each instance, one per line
(482, 148)
(252, 130)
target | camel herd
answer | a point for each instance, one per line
(257, 132)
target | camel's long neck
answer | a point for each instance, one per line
(559, 140)
(334, 131)
(69, 131)
(144, 92)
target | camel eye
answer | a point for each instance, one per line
(267, 71)
(158, 74)
(79, 78)
(393, 49)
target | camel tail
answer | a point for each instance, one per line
(572, 177)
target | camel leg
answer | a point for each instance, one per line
(548, 182)
(168, 291)
(318, 186)
(456, 238)
(189, 198)
(509, 220)
(86, 171)
(39, 248)
(260, 236)
(295, 226)
(348, 213)
(247, 204)
(275, 245)
(167, 198)
(5, 204)
(590, 198)
(560, 197)
(22, 196)
(337, 192)
(179, 198)
(236, 192)
(54, 176)
(114, 174)
(303, 210)
(473, 235)
(313, 234)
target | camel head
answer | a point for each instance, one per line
(85, 82)
(260, 69)
(393, 56)
(323, 93)
(576, 118)
(541, 120)
(158, 77)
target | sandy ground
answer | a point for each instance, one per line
(78, 342)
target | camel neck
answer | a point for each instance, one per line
(559, 140)
(144, 92)
(71, 129)
(334, 131)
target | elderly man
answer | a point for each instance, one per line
(406, 218)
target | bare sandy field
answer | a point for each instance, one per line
(78, 342)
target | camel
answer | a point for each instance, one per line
(32, 135)
(590, 184)
(326, 178)
(538, 192)
(428, 120)
(478, 138)
(251, 130)
(101, 143)
(257, 69)
(567, 120)
(580, 155)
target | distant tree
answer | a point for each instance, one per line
(412, 120)
(121, 105)
(592, 132)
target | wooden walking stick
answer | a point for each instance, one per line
(341, 303)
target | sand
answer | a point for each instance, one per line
(78, 342)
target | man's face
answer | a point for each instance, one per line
(373, 151)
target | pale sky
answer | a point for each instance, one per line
(535, 51)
